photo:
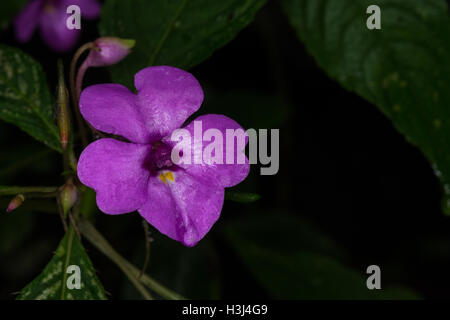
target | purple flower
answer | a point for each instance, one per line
(182, 201)
(51, 16)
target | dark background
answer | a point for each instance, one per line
(343, 167)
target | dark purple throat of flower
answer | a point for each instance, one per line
(159, 163)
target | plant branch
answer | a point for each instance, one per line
(75, 91)
(147, 247)
(61, 213)
(67, 260)
(132, 272)
(30, 191)
(96, 239)
(155, 285)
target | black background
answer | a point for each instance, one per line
(342, 166)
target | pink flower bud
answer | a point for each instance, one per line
(108, 51)
(15, 203)
(69, 196)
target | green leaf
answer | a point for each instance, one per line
(24, 96)
(243, 197)
(179, 33)
(8, 9)
(51, 283)
(401, 68)
(292, 259)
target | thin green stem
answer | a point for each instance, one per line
(154, 285)
(132, 272)
(79, 79)
(74, 224)
(89, 231)
(30, 191)
(147, 247)
(66, 263)
(61, 213)
(75, 90)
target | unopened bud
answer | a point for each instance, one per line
(63, 107)
(107, 51)
(69, 196)
(15, 202)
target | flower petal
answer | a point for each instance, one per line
(54, 30)
(167, 96)
(183, 209)
(115, 170)
(27, 20)
(111, 108)
(225, 175)
(90, 9)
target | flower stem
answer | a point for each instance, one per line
(132, 272)
(154, 285)
(61, 213)
(75, 89)
(66, 263)
(37, 192)
(79, 79)
(94, 237)
(147, 247)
